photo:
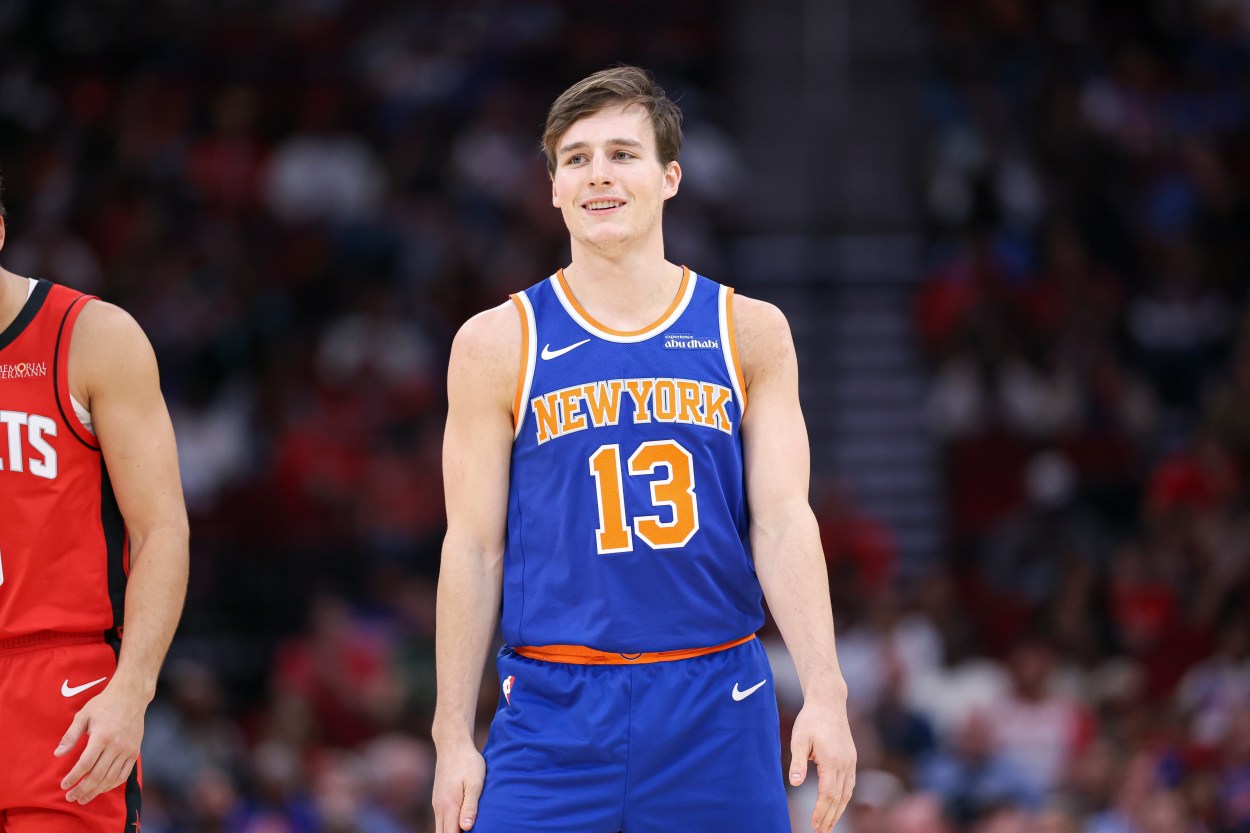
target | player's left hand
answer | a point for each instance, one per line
(822, 733)
(113, 724)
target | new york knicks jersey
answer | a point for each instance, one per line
(627, 515)
(63, 546)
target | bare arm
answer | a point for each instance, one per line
(113, 373)
(788, 557)
(477, 447)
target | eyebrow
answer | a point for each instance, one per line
(633, 143)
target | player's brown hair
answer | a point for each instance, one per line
(607, 88)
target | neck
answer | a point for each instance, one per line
(627, 252)
(626, 271)
(625, 293)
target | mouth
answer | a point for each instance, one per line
(602, 205)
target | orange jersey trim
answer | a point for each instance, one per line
(525, 363)
(733, 345)
(581, 655)
(677, 299)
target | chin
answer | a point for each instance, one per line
(604, 239)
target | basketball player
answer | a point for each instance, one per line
(93, 556)
(626, 470)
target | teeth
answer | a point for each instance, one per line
(602, 204)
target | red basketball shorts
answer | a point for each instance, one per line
(44, 680)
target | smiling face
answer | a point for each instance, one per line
(609, 182)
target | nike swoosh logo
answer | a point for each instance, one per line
(548, 353)
(67, 691)
(742, 695)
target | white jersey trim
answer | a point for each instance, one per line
(634, 338)
(530, 326)
(84, 416)
(727, 346)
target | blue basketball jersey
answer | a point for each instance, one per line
(627, 515)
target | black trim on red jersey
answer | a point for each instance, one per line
(114, 545)
(134, 790)
(56, 382)
(134, 800)
(27, 313)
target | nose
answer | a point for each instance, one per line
(600, 171)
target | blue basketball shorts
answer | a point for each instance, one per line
(689, 745)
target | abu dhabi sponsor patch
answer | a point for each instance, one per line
(23, 370)
(686, 341)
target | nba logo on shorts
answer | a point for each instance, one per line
(507, 689)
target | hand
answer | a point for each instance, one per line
(822, 734)
(113, 724)
(458, 779)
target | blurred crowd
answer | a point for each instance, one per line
(300, 201)
(1080, 660)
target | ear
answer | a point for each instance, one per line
(672, 179)
(555, 198)
(1, 232)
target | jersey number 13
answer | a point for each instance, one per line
(675, 492)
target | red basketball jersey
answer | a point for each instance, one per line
(64, 553)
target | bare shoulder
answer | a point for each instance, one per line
(763, 336)
(107, 345)
(487, 350)
(491, 331)
(102, 320)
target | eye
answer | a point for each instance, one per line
(623, 154)
(575, 159)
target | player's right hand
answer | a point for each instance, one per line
(458, 778)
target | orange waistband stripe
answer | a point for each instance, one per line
(581, 655)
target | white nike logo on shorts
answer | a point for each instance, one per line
(70, 691)
(742, 695)
(548, 353)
